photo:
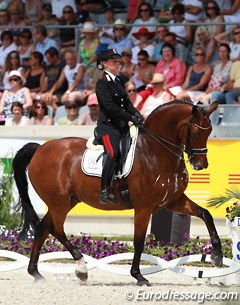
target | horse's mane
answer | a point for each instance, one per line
(174, 102)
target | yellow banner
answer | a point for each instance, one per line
(222, 173)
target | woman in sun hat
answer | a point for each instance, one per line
(87, 46)
(90, 117)
(17, 93)
(144, 37)
(160, 96)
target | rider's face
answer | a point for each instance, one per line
(112, 65)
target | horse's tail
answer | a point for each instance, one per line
(19, 165)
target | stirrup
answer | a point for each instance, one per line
(106, 197)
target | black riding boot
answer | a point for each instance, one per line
(107, 175)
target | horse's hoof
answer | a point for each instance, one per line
(217, 260)
(39, 279)
(81, 270)
(143, 282)
(82, 276)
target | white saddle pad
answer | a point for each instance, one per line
(93, 158)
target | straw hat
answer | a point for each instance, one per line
(127, 51)
(88, 27)
(144, 31)
(120, 23)
(157, 78)
(18, 74)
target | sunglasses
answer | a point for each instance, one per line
(142, 58)
(199, 54)
(71, 107)
(14, 57)
(236, 33)
(39, 107)
(126, 55)
(211, 8)
(144, 10)
(13, 80)
(119, 29)
(131, 91)
(67, 12)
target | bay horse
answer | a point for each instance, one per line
(158, 179)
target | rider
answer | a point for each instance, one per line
(116, 110)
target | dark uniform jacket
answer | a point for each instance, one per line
(116, 110)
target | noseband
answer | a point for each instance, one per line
(187, 149)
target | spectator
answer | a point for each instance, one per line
(17, 118)
(67, 35)
(193, 10)
(90, 117)
(33, 10)
(182, 52)
(143, 71)
(26, 47)
(74, 74)
(213, 15)
(7, 46)
(132, 93)
(230, 92)
(43, 43)
(87, 47)
(92, 6)
(173, 69)
(17, 4)
(160, 96)
(58, 6)
(16, 21)
(183, 32)
(72, 109)
(4, 20)
(35, 76)
(234, 45)
(126, 69)
(82, 14)
(12, 63)
(106, 34)
(162, 30)
(18, 93)
(121, 41)
(39, 114)
(204, 40)
(220, 76)
(132, 12)
(145, 17)
(197, 78)
(48, 18)
(231, 15)
(144, 37)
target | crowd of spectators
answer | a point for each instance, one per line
(190, 50)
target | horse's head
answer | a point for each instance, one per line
(197, 132)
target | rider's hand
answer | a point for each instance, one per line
(137, 119)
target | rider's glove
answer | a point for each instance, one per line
(137, 119)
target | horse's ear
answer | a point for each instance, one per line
(212, 107)
(196, 110)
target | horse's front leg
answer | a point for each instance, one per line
(187, 206)
(141, 220)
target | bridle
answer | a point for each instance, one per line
(187, 148)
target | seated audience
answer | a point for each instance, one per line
(158, 42)
(143, 71)
(18, 93)
(220, 75)
(7, 46)
(144, 37)
(72, 109)
(126, 69)
(33, 10)
(198, 76)
(193, 10)
(173, 69)
(17, 118)
(16, 21)
(4, 20)
(160, 96)
(39, 114)
(106, 33)
(145, 18)
(231, 14)
(229, 93)
(212, 12)
(35, 76)
(26, 47)
(233, 41)
(58, 6)
(48, 18)
(121, 41)
(90, 117)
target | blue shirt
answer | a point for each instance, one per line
(121, 44)
(42, 47)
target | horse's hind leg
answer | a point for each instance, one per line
(39, 239)
(187, 206)
(58, 232)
